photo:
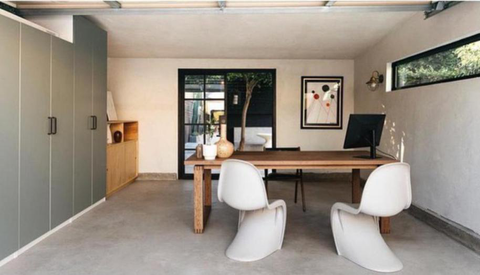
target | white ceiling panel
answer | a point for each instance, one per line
(269, 36)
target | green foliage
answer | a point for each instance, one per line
(454, 63)
(264, 79)
(210, 129)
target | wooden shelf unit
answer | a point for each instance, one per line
(122, 157)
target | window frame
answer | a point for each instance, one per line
(446, 47)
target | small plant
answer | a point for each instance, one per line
(210, 131)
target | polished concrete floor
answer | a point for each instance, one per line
(147, 229)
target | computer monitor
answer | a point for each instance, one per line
(364, 130)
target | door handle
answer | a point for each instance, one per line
(94, 122)
(50, 126)
(54, 120)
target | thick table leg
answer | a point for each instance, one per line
(385, 225)
(198, 199)
(208, 186)
(357, 196)
(202, 197)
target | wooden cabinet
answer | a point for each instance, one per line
(122, 157)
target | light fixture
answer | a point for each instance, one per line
(235, 99)
(375, 81)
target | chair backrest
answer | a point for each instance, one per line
(241, 186)
(283, 149)
(388, 190)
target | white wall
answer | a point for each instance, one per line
(147, 90)
(438, 125)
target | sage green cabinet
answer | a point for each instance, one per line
(34, 129)
(53, 128)
(83, 113)
(90, 113)
(9, 137)
(99, 111)
(62, 139)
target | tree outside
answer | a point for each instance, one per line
(450, 64)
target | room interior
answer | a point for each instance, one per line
(263, 137)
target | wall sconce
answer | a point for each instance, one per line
(375, 81)
(235, 99)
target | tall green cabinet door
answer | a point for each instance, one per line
(34, 138)
(62, 139)
(99, 111)
(9, 113)
(83, 113)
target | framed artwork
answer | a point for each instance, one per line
(322, 102)
(111, 111)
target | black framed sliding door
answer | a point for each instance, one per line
(201, 99)
(204, 95)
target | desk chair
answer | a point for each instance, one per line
(297, 177)
(356, 231)
(261, 225)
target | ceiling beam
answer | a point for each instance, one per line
(439, 6)
(8, 7)
(114, 4)
(269, 10)
(330, 3)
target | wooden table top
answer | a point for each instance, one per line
(298, 158)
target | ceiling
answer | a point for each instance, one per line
(238, 29)
(269, 36)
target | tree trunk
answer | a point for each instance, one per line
(241, 147)
(248, 91)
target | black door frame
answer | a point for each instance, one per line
(181, 107)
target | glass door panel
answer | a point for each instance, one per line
(193, 136)
(214, 109)
(215, 87)
(194, 86)
(194, 111)
(203, 99)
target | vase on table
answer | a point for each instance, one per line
(224, 147)
(209, 151)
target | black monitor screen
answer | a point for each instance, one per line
(361, 128)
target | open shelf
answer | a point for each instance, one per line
(128, 128)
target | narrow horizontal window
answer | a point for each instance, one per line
(454, 61)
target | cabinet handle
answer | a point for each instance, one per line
(54, 132)
(93, 123)
(50, 126)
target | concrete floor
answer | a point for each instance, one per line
(147, 229)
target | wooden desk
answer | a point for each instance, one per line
(327, 160)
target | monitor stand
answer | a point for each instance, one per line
(373, 149)
(373, 154)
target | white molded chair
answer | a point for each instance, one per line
(356, 231)
(261, 225)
